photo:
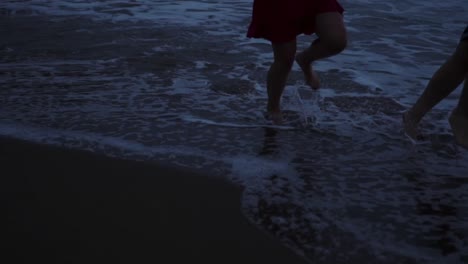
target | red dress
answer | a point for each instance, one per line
(284, 20)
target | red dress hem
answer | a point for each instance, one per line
(284, 20)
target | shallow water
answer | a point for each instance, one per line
(178, 82)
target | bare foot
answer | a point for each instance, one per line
(459, 126)
(275, 116)
(411, 127)
(310, 76)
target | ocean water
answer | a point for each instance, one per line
(178, 82)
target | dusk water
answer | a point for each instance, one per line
(179, 83)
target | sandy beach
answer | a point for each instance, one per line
(67, 206)
(178, 84)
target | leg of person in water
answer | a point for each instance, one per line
(462, 107)
(444, 81)
(277, 76)
(332, 39)
(459, 117)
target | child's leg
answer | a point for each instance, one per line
(449, 76)
(462, 107)
(459, 118)
(332, 39)
(277, 76)
(446, 79)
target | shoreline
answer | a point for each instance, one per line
(73, 206)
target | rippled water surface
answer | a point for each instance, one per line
(178, 82)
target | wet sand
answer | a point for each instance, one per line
(67, 206)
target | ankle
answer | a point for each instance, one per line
(460, 111)
(273, 109)
(412, 115)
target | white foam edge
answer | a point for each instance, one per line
(189, 118)
(57, 137)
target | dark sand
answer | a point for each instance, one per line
(66, 206)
